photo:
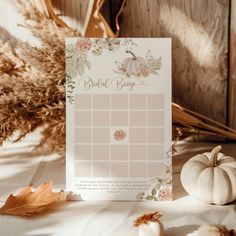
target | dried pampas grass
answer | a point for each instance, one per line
(32, 82)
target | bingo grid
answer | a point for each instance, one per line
(139, 154)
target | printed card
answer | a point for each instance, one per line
(118, 119)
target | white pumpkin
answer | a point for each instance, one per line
(213, 230)
(151, 229)
(133, 65)
(150, 225)
(210, 177)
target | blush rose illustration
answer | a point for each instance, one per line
(119, 135)
(144, 71)
(165, 194)
(84, 45)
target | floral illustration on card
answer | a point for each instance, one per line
(77, 56)
(161, 189)
(137, 66)
(119, 135)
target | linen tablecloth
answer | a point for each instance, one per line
(19, 166)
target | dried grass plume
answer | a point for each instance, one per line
(32, 82)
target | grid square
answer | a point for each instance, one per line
(156, 118)
(83, 101)
(119, 118)
(83, 169)
(119, 101)
(156, 135)
(156, 152)
(101, 152)
(156, 101)
(101, 101)
(83, 152)
(82, 118)
(82, 135)
(119, 169)
(156, 169)
(137, 118)
(101, 135)
(137, 135)
(101, 118)
(101, 169)
(137, 152)
(137, 101)
(137, 169)
(119, 152)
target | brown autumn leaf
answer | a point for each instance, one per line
(27, 202)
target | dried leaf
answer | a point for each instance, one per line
(27, 202)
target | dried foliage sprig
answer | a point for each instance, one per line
(32, 82)
(187, 122)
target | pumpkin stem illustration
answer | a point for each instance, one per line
(128, 51)
(214, 155)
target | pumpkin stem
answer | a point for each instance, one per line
(214, 155)
(147, 218)
(128, 51)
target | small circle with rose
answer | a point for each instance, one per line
(119, 135)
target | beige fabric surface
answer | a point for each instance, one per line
(19, 167)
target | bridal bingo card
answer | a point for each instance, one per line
(118, 119)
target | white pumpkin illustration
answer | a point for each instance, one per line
(135, 65)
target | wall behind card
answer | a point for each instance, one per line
(199, 30)
(232, 74)
(200, 33)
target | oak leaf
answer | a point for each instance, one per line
(27, 202)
